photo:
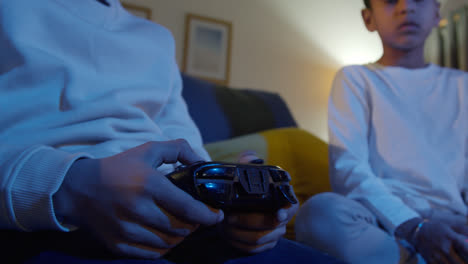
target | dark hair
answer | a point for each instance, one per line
(367, 3)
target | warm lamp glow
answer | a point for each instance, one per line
(335, 26)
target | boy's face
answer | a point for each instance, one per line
(402, 24)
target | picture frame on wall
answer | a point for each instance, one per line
(140, 11)
(207, 49)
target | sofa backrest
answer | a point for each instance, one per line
(222, 112)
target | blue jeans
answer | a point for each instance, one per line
(49, 248)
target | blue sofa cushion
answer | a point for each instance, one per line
(278, 107)
(246, 111)
(205, 110)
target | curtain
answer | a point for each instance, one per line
(448, 44)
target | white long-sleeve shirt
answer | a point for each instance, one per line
(398, 139)
(78, 79)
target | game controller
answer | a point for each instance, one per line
(236, 187)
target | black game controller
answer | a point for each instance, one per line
(236, 187)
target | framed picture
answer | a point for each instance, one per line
(139, 11)
(207, 51)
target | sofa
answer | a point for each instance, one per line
(232, 120)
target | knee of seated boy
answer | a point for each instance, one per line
(315, 214)
(327, 213)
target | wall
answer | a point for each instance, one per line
(293, 47)
(450, 5)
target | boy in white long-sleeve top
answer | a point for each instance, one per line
(398, 133)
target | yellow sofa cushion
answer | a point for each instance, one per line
(299, 152)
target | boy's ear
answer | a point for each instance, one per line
(368, 19)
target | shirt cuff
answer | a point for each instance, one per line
(389, 211)
(38, 177)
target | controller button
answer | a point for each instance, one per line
(275, 175)
(280, 176)
(219, 173)
(284, 176)
(215, 193)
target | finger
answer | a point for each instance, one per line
(252, 249)
(460, 247)
(171, 152)
(253, 221)
(148, 214)
(248, 156)
(446, 253)
(115, 242)
(446, 248)
(449, 217)
(284, 215)
(170, 240)
(461, 229)
(440, 258)
(255, 238)
(183, 206)
(139, 235)
(454, 257)
(177, 224)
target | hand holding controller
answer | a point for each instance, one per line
(236, 187)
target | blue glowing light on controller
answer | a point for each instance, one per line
(211, 185)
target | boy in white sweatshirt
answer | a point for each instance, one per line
(91, 117)
(398, 134)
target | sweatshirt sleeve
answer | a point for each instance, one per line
(29, 177)
(175, 120)
(351, 174)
